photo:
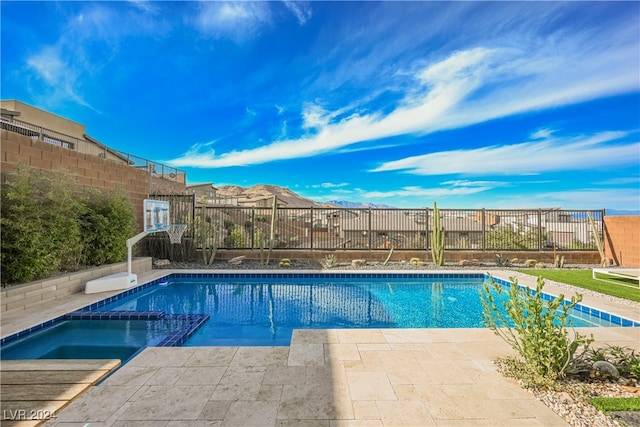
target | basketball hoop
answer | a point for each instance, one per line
(175, 232)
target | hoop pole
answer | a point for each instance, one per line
(130, 242)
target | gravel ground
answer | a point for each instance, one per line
(571, 403)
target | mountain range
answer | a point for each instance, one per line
(294, 200)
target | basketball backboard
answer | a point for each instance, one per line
(156, 216)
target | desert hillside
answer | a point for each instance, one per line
(293, 200)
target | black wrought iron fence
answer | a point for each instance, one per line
(237, 227)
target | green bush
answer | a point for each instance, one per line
(107, 220)
(536, 329)
(47, 227)
(40, 235)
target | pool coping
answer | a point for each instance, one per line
(627, 318)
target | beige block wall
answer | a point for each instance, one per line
(90, 170)
(31, 294)
(622, 240)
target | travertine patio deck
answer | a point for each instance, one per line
(377, 377)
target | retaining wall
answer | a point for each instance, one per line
(90, 170)
(30, 294)
(488, 257)
(622, 240)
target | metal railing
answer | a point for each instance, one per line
(38, 132)
(94, 147)
(370, 229)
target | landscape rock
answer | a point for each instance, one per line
(237, 260)
(358, 262)
(604, 369)
(162, 263)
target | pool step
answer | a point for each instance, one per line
(190, 323)
(115, 315)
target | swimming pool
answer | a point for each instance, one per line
(263, 309)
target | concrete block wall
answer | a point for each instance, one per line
(90, 170)
(31, 294)
(622, 240)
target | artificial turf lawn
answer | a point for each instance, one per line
(583, 279)
(609, 404)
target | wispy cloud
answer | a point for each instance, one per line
(550, 154)
(330, 185)
(301, 9)
(576, 199)
(444, 189)
(60, 81)
(468, 87)
(237, 21)
(58, 71)
(144, 5)
(542, 134)
(621, 180)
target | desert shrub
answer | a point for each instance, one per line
(237, 238)
(40, 234)
(510, 238)
(624, 359)
(536, 329)
(107, 221)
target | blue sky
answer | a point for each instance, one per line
(470, 104)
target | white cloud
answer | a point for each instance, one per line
(445, 189)
(551, 154)
(468, 87)
(237, 21)
(542, 134)
(624, 199)
(330, 185)
(144, 5)
(301, 10)
(621, 180)
(60, 78)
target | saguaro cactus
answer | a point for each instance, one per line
(437, 238)
(272, 233)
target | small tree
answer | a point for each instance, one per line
(535, 328)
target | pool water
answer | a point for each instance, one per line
(251, 311)
(87, 339)
(243, 312)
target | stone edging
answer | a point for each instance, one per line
(24, 296)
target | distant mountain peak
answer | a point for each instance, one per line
(358, 205)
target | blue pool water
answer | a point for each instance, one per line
(243, 312)
(95, 339)
(223, 310)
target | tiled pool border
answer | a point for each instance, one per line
(182, 336)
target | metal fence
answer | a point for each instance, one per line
(40, 133)
(237, 227)
(94, 147)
